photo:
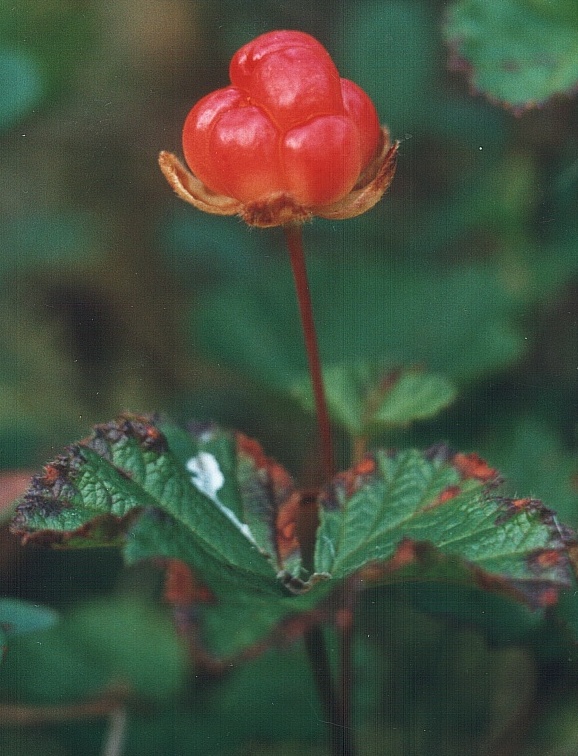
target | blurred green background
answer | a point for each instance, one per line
(114, 295)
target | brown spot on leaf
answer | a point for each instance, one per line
(269, 487)
(550, 564)
(139, 427)
(51, 473)
(447, 494)
(537, 594)
(473, 466)
(152, 438)
(253, 449)
(103, 530)
(182, 587)
(365, 467)
(548, 558)
(286, 526)
(425, 561)
(49, 492)
(344, 618)
(373, 572)
(293, 627)
(511, 507)
(56, 474)
(548, 597)
(346, 483)
(278, 478)
(407, 552)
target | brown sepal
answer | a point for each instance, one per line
(280, 208)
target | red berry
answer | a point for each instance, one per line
(288, 125)
(290, 75)
(360, 109)
(321, 159)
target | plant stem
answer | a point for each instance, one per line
(335, 707)
(340, 734)
(294, 239)
(116, 732)
(345, 624)
(359, 447)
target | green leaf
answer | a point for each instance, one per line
(18, 616)
(105, 483)
(514, 52)
(436, 515)
(561, 10)
(365, 399)
(231, 514)
(413, 396)
(402, 69)
(236, 610)
(218, 504)
(131, 639)
(502, 622)
(199, 246)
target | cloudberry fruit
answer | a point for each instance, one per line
(286, 140)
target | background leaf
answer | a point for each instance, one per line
(517, 52)
(122, 639)
(17, 616)
(20, 85)
(459, 319)
(364, 398)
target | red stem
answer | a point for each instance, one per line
(294, 239)
(336, 707)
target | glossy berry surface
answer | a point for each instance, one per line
(288, 125)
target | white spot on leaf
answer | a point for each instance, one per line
(208, 478)
(207, 475)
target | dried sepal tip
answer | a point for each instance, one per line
(281, 208)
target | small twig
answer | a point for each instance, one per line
(116, 733)
(294, 239)
(14, 714)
